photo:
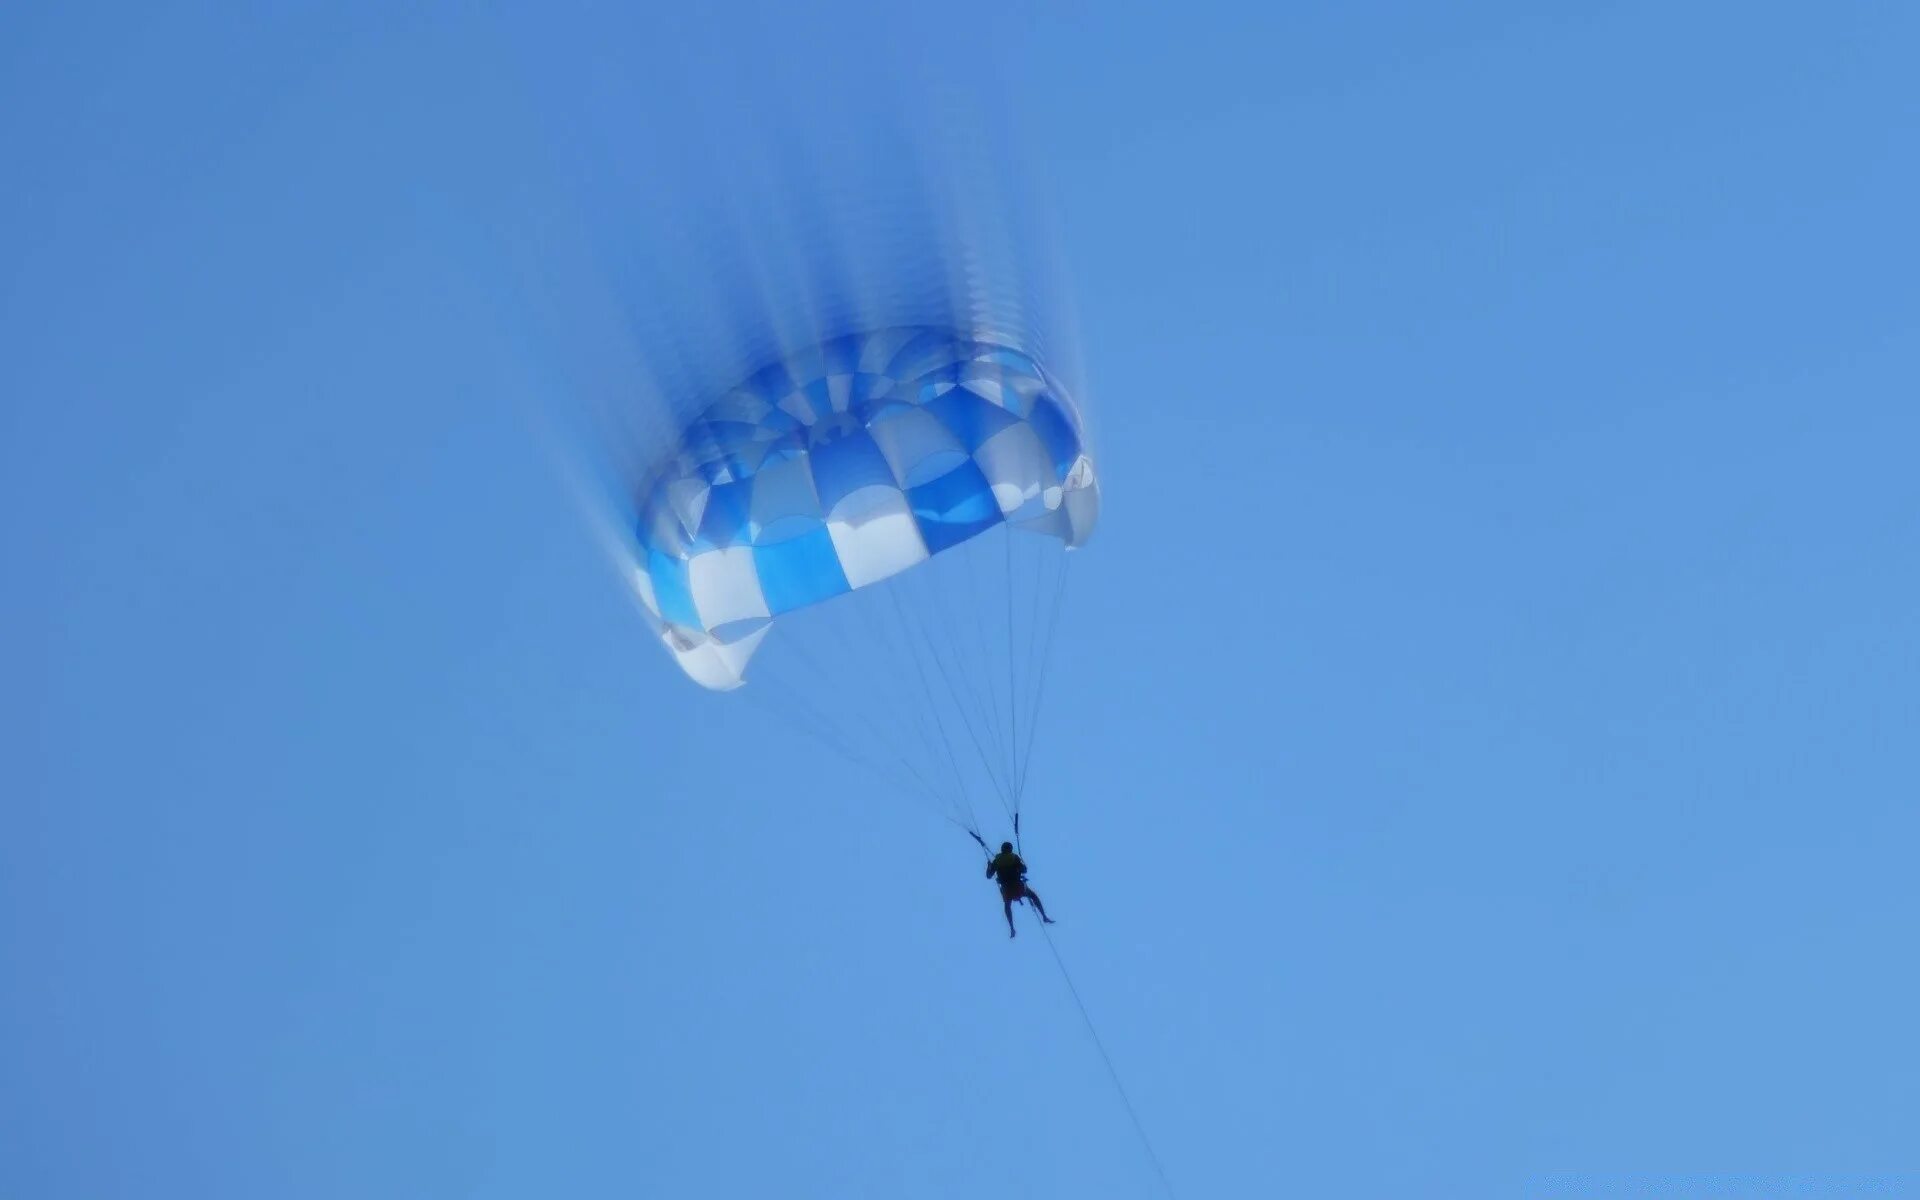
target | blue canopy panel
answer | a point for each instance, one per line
(838, 469)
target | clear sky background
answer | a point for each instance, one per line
(1481, 757)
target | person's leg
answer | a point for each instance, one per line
(1006, 902)
(1039, 907)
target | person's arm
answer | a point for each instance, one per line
(989, 868)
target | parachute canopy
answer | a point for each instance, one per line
(840, 468)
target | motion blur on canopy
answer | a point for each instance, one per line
(843, 444)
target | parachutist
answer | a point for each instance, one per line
(1012, 874)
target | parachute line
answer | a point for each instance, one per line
(826, 737)
(1140, 1128)
(926, 687)
(973, 735)
(1013, 717)
(957, 802)
(1040, 689)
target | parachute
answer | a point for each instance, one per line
(852, 496)
(859, 482)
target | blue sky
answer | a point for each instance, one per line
(1480, 756)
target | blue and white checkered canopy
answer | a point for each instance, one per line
(838, 469)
